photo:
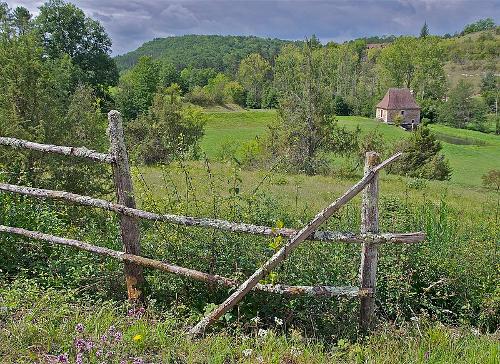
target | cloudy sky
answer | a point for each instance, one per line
(132, 22)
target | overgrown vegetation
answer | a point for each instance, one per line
(116, 333)
(55, 301)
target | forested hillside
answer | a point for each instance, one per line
(222, 53)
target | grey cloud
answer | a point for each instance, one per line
(130, 23)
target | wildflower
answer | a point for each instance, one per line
(262, 333)
(255, 320)
(112, 329)
(247, 352)
(123, 361)
(137, 338)
(79, 358)
(426, 355)
(79, 327)
(80, 345)
(278, 321)
(104, 338)
(62, 358)
(89, 345)
(109, 354)
(118, 336)
(98, 353)
(138, 361)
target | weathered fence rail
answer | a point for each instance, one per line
(133, 262)
(324, 291)
(235, 227)
(81, 152)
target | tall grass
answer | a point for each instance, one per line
(46, 325)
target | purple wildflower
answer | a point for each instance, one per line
(118, 336)
(89, 345)
(112, 329)
(98, 353)
(79, 358)
(123, 361)
(109, 354)
(79, 327)
(80, 344)
(138, 361)
(63, 358)
(104, 338)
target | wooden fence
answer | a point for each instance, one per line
(369, 237)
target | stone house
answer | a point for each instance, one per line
(399, 101)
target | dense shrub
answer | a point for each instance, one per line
(169, 129)
(421, 157)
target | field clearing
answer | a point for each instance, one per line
(476, 154)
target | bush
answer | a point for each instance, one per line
(168, 131)
(199, 96)
(235, 93)
(421, 157)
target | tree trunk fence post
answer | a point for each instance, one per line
(129, 226)
(369, 250)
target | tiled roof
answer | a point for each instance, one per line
(398, 98)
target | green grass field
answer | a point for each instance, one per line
(470, 153)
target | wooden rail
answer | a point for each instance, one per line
(317, 291)
(236, 227)
(369, 236)
(285, 251)
(81, 152)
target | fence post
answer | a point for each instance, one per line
(129, 226)
(369, 253)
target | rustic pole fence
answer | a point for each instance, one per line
(129, 226)
(285, 251)
(369, 251)
(369, 236)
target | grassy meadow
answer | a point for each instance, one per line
(437, 302)
(470, 153)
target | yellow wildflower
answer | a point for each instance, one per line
(137, 338)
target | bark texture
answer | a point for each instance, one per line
(369, 251)
(81, 152)
(129, 225)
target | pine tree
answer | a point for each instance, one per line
(424, 32)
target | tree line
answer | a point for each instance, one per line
(58, 80)
(357, 77)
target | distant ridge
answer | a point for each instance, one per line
(222, 53)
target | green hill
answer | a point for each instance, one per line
(472, 55)
(222, 53)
